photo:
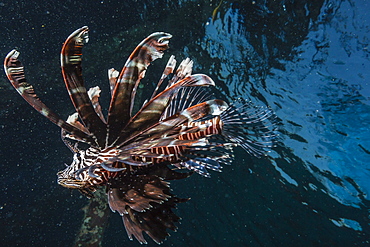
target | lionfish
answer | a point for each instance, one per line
(179, 130)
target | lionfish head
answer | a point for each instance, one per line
(73, 176)
(71, 181)
(88, 169)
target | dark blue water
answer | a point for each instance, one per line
(308, 61)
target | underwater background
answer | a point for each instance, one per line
(307, 60)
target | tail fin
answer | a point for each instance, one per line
(251, 127)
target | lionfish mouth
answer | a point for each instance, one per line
(71, 183)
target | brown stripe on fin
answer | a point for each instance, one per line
(151, 112)
(73, 120)
(71, 58)
(112, 76)
(170, 66)
(15, 73)
(124, 92)
(193, 113)
(94, 94)
(185, 69)
(160, 142)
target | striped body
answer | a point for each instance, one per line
(180, 126)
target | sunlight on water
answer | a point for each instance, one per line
(321, 96)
